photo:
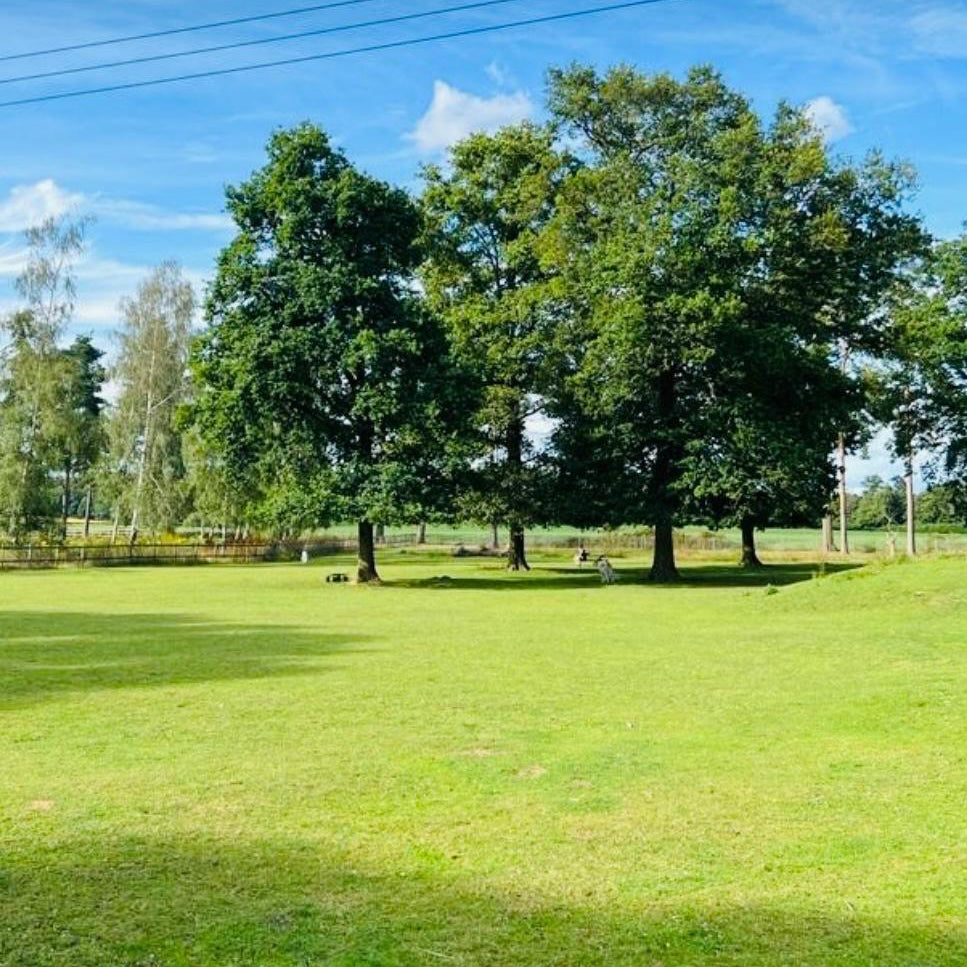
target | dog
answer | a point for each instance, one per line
(606, 571)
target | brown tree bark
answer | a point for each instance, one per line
(516, 555)
(366, 563)
(421, 534)
(88, 501)
(750, 558)
(663, 568)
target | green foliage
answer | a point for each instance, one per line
(144, 468)
(691, 303)
(880, 505)
(78, 431)
(939, 505)
(486, 214)
(217, 495)
(321, 377)
(651, 241)
(711, 266)
(30, 395)
(919, 382)
(49, 403)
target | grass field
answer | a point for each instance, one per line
(798, 540)
(246, 767)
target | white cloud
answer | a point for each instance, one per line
(143, 217)
(499, 74)
(28, 205)
(453, 114)
(12, 261)
(199, 153)
(940, 32)
(829, 118)
(101, 284)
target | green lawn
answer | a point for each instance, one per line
(246, 767)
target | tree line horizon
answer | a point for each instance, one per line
(709, 311)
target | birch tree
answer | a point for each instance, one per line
(151, 375)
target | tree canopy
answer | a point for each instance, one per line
(710, 260)
(487, 213)
(321, 372)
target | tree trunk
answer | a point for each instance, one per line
(421, 534)
(516, 556)
(911, 508)
(494, 536)
(843, 496)
(366, 563)
(663, 569)
(65, 501)
(117, 524)
(145, 448)
(380, 533)
(750, 558)
(88, 501)
(828, 547)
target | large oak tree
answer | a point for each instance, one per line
(320, 372)
(486, 214)
(711, 261)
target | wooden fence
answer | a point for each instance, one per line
(123, 555)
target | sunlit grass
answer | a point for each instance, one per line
(245, 766)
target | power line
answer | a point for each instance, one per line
(183, 30)
(371, 48)
(151, 58)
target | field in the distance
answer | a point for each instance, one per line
(245, 767)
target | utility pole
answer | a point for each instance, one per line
(841, 468)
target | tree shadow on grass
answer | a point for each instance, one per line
(573, 578)
(207, 903)
(44, 653)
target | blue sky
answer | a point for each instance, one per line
(152, 164)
